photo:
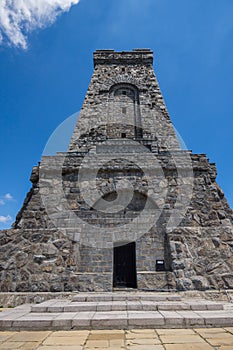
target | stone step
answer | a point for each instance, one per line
(134, 305)
(117, 311)
(125, 296)
(24, 319)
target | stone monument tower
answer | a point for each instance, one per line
(125, 206)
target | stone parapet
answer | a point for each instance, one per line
(137, 56)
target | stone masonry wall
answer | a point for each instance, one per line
(62, 242)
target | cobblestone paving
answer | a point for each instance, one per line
(138, 339)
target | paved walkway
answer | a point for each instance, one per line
(138, 339)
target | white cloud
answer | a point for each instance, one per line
(4, 219)
(19, 17)
(8, 196)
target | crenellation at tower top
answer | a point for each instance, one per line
(134, 57)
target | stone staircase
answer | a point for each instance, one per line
(119, 310)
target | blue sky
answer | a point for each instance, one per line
(44, 83)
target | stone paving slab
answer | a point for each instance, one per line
(137, 339)
(60, 347)
(178, 331)
(191, 346)
(176, 338)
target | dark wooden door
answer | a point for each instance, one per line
(124, 274)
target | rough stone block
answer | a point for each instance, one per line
(191, 318)
(201, 305)
(148, 306)
(145, 319)
(79, 307)
(96, 298)
(79, 298)
(120, 297)
(104, 306)
(64, 320)
(32, 323)
(119, 306)
(172, 306)
(173, 319)
(110, 320)
(214, 307)
(135, 305)
(217, 318)
(39, 308)
(82, 320)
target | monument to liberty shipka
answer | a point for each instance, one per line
(125, 206)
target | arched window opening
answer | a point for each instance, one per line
(124, 109)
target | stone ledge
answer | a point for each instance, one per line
(137, 56)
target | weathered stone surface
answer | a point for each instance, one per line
(200, 283)
(54, 246)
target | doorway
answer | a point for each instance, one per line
(124, 268)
